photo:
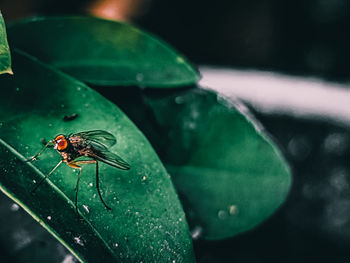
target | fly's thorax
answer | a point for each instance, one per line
(77, 143)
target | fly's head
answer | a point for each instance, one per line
(60, 143)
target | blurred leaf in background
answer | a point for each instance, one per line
(5, 56)
(112, 53)
(230, 174)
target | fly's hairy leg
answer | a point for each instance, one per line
(75, 164)
(46, 176)
(98, 188)
(76, 191)
(34, 158)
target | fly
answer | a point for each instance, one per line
(91, 144)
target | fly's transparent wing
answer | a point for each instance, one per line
(98, 141)
(111, 159)
(97, 138)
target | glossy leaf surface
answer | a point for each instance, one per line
(146, 223)
(102, 52)
(5, 56)
(229, 174)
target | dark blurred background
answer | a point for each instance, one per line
(303, 38)
(296, 37)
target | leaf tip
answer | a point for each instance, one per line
(7, 71)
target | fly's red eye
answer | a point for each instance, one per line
(62, 144)
(59, 137)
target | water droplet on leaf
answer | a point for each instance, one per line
(222, 214)
(139, 77)
(232, 209)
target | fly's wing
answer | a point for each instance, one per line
(99, 141)
(111, 159)
(97, 138)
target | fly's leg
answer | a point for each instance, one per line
(46, 176)
(75, 164)
(98, 188)
(76, 190)
(33, 158)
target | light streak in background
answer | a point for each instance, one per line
(273, 93)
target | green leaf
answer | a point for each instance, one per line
(146, 223)
(228, 172)
(5, 56)
(102, 52)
